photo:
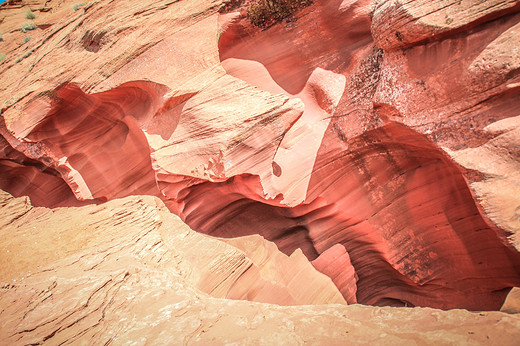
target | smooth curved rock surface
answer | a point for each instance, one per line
(400, 24)
(307, 133)
(108, 273)
(462, 92)
(512, 302)
(247, 59)
(335, 263)
(243, 268)
(96, 139)
(376, 225)
(24, 176)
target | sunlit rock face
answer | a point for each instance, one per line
(379, 137)
(130, 271)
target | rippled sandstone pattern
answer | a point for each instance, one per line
(129, 271)
(379, 137)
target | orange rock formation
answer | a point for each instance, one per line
(130, 271)
(378, 138)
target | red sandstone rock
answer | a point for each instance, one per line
(109, 273)
(245, 268)
(463, 93)
(380, 188)
(322, 134)
(26, 177)
(512, 302)
(335, 263)
(95, 140)
(400, 24)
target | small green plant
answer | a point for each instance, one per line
(28, 26)
(28, 54)
(2, 56)
(29, 14)
(27, 39)
(77, 7)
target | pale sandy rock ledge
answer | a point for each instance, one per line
(128, 271)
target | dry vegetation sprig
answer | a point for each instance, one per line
(28, 26)
(29, 14)
(264, 13)
(78, 6)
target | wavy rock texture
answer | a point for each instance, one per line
(248, 268)
(462, 92)
(370, 135)
(130, 271)
(399, 24)
(26, 176)
(371, 192)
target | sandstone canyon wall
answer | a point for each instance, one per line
(376, 143)
(128, 274)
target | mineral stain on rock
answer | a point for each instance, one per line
(277, 170)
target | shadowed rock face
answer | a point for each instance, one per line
(24, 177)
(318, 134)
(96, 139)
(398, 205)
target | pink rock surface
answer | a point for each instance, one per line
(24, 176)
(335, 263)
(400, 24)
(96, 139)
(120, 272)
(316, 133)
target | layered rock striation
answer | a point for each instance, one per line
(130, 271)
(379, 137)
